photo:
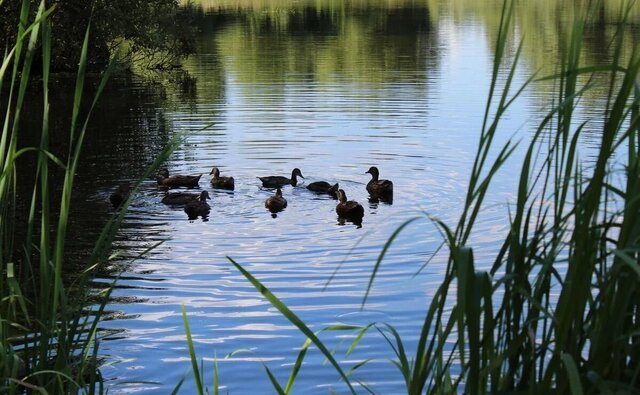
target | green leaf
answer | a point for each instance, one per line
(572, 372)
(274, 381)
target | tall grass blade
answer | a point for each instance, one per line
(572, 373)
(274, 382)
(293, 318)
(297, 366)
(402, 362)
(216, 379)
(386, 246)
(192, 352)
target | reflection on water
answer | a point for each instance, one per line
(332, 91)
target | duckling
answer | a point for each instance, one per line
(179, 198)
(280, 181)
(350, 210)
(177, 181)
(276, 202)
(198, 208)
(120, 194)
(221, 182)
(324, 187)
(378, 187)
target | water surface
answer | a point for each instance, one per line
(332, 91)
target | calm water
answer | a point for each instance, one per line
(332, 92)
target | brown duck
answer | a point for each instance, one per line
(324, 187)
(180, 198)
(280, 181)
(198, 208)
(221, 182)
(276, 202)
(378, 187)
(177, 181)
(350, 210)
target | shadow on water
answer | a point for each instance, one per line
(375, 199)
(356, 221)
(127, 131)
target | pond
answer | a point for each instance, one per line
(331, 89)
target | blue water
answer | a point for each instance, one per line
(259, 110)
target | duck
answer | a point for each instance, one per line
(120, 194)
(221, 182)
(177, 181)
(179, 198)
(276, 202)
(324, 187)
(280, 181)
(198, 208)
(350, 210)
(378, 187)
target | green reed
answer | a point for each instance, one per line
(47, 343)
(48, 335)
(558, 310)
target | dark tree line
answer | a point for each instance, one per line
(154, 31)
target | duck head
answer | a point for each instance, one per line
(296, 172)
(374, 172)
(333, 191)
(204, 195)
(279, 192)
(342, 197)
(215, 172)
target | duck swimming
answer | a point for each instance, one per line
(180, 198)
(221, 182)
(198, 208)
(324, 187)
(350, 210)
(120, 194)
(177, 181)
(280, 181)
(276, 202)
(378, 187)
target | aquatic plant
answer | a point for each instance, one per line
(48, 329)
(557, 309)
(48, 342)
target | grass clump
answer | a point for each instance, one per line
(48, 341)
(558, 308)
(48, 332)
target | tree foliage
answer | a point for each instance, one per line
(154, 31)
